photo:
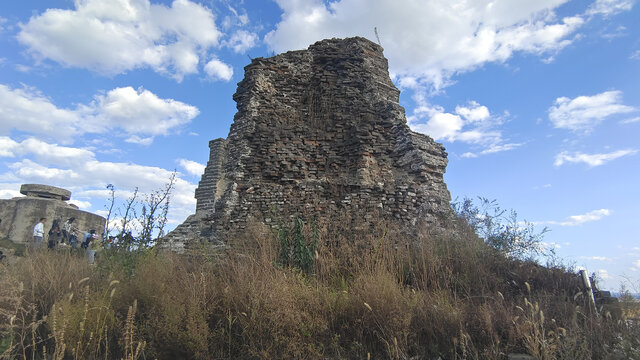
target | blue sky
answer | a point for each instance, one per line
(537, 102)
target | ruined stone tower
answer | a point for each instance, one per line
(318, 132)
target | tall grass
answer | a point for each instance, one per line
(378, 294)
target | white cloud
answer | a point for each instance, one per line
(429, 40)
(217, 70)
(475, 112)
(631, 120)
(469, 123)
(112, 37)
(87, 177)
(576, 220)
(7, 147)
(133, 111)
(620, 31)
(239, 18)
(9, 191)
(137, 112)
(493, 148)
(441, 126)
(472, 123)
(551, 245)
(29, 110)
(635, 55)
(135, 139)
(192, 167)
(44, 152)
(595, 258)
(584, 113)
(609, 7)
(28, 169)
(83, 205)
(241, 41)
(591, 159)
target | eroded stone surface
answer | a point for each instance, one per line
(318, 132)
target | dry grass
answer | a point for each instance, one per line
(378, 294)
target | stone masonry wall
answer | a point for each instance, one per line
(319, 132)
(206, 191)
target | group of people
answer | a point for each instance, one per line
(66, 235)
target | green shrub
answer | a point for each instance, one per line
(298, 246)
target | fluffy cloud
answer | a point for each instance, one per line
(44, 152)
(472, 123)
(430, 40)
(468, 123)
(112, 37)
(584, 113)
(576, 220)
(591, 159)
(29, 110)
(192, 167)
(87, 177)
(217, 70)
(609, 7)
(135, 139)
(241, 41)
(9, 191)
(135, 112)
(84, 205)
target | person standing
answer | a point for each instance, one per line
(68, 232)
(88, 237)
(90, 245)
(38, 232)
(54, 234)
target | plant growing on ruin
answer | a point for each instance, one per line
(298, 246)
(501, 228)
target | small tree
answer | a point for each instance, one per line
(143, 217)
(153, 215)
(501, 228)
(128, 215)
